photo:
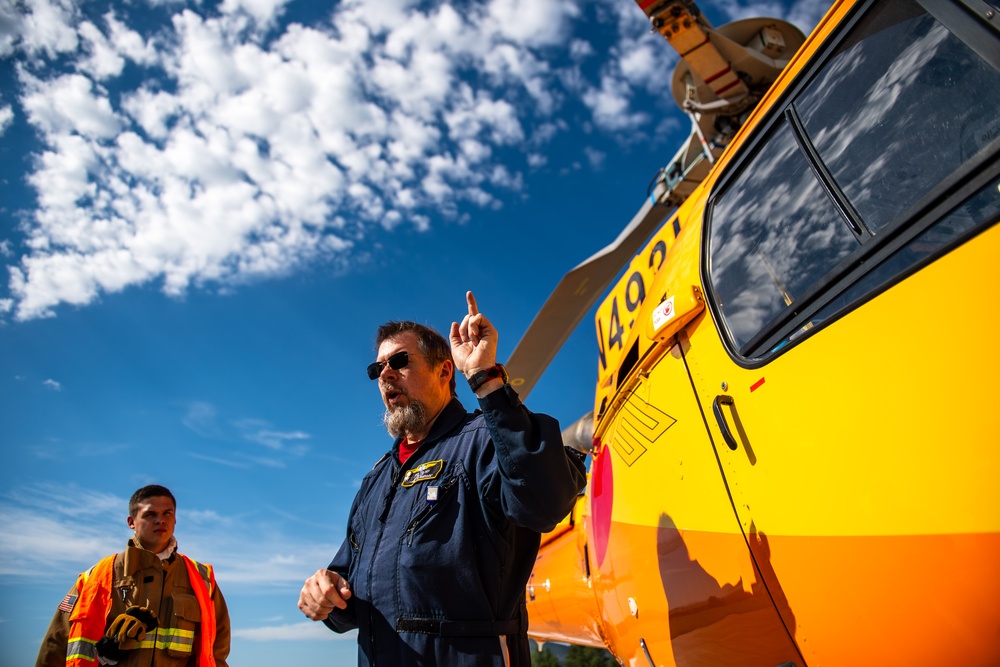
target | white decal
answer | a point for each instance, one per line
(663, 313)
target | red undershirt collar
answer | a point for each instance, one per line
(406, 449)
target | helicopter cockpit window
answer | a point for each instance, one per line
(833, 203)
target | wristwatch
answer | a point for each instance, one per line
(482, 377)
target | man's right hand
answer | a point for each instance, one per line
(323, 592)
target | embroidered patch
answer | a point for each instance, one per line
(68, 603)
(423, 473)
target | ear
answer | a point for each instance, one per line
(447, 370)
(131, 522)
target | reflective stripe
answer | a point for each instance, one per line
(174, 639)
(81, 649)
(205, 570)
(87, 620)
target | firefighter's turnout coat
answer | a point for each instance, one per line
(193, 621)
(439, 550)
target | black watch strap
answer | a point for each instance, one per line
(482, 377)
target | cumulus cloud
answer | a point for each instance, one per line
(229, 144)
(46, 29)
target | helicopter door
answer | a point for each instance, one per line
(850, 386)
(669, 564)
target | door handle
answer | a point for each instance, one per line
(727, 435)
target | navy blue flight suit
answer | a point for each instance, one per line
(439, 549)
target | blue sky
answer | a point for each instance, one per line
(206, 208)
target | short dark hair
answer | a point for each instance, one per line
(431, 343)
(147, 492)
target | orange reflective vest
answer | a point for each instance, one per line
(89, 618)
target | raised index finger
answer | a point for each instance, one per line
(473, 310)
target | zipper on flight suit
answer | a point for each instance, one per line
(386, 504)
(425, 512)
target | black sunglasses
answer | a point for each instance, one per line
(395, 362)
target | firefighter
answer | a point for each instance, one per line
(148, 605)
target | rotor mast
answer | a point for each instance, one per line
(721, 76)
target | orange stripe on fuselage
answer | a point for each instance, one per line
(906, 601)
(897, 600)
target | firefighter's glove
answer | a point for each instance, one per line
(108, 651)
(131, 627)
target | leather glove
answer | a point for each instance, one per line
(131, 627)
(108, 652)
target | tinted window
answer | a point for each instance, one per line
(773, 232)
(900, 106)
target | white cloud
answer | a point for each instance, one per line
(35, 522)
(105, 54)
(531, 22)
(11, 27)
(264, 12)
(294, 632)
(52, 384)
(6, 118)
(610, 105)
(104, 62)
(70, 104)
(203, 419)
(260, 432)
(48, 530)
(805, 14)
(244, 165)
(595, 157)
(252, 148)
(47, 28)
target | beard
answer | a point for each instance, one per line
(411, 417)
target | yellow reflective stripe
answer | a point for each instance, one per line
(82, 648)
(206, 573)
(169, 638)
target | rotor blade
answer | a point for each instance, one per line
(573, 297)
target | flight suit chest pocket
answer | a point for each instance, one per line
(431, 501)
(185, 617)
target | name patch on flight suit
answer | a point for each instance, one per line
(423, 472)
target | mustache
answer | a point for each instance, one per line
(389, 386)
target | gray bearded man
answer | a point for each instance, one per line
(444, 530)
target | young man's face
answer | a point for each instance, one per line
(416, 384)
(154, 523)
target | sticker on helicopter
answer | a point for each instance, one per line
(423, 472)
(663, 313)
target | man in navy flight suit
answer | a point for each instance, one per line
(444, 531)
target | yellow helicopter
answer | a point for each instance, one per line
(795, 437)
